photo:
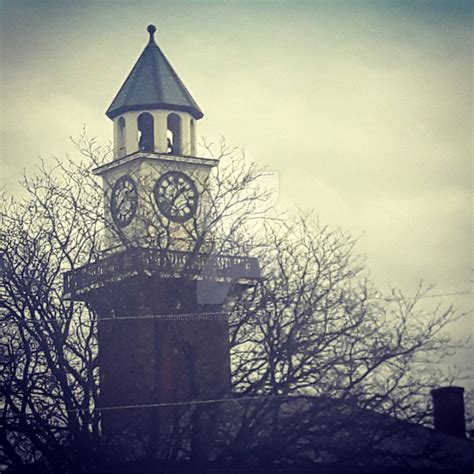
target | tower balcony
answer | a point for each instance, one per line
(164, 264)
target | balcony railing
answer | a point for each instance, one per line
(163, 263)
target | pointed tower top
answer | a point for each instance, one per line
(153, 84)
(151, 29)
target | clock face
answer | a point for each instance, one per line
(124, 201)
(176, 196)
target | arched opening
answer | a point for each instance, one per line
(173, 134)
(121, 151)
(193, 137)
(146, 136)
(169, 141)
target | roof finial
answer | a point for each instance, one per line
(151, 29)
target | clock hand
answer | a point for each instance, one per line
(122, 197)
(176, 196)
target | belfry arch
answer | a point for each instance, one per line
(174, 134)
(192, 132)
(146, 138)
(121, 141)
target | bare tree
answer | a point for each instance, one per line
(49, 353)
(316, 329)
(49, 367)
(310, 339)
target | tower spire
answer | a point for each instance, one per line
(153, 84)
(151, 30)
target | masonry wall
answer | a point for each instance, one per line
(152, 353)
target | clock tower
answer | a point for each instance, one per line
(158, 288)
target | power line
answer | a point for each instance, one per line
(225, 315)
(437, 295)
(166, 317)
(197, 402)
(172, 317)
(175, 404)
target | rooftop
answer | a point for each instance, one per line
(153, 84)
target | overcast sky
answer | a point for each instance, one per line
(364, 109)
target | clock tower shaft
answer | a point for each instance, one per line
(158, 289)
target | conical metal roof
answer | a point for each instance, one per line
(153, 84)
